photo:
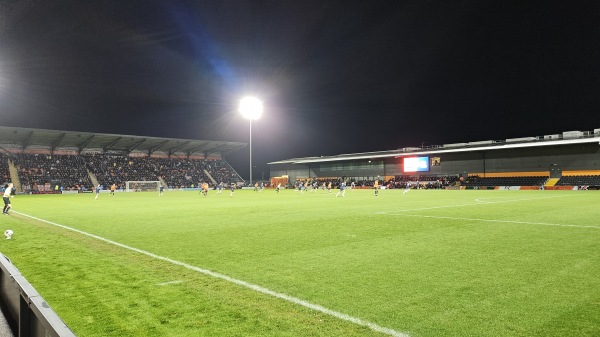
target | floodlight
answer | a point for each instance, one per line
(251, 108)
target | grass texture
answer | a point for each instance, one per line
(425, 263)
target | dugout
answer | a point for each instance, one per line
(575, 153)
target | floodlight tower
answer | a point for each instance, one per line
(251, 108)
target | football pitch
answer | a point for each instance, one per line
(425, 263)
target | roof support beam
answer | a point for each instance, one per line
(26, 142)
(158, 146)
(111, 144)
(134, 146)
(194, 149)
(83, 144)
(57, 141)
(219, 147)
(175, 148)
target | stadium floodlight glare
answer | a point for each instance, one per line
(251, 108)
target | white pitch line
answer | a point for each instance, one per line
(169, 283)
(492, 220)
(478, 203)
(482, 200)
(254, 287)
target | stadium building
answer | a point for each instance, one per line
(570, 160)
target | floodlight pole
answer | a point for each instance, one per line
(251, 108)
(250, 151)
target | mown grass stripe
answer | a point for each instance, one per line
(257, 288)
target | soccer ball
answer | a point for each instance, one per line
(8, 233)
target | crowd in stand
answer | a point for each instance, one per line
(73, 172)
(505, 181)
(422, 181)
(39, 169)
(4, 172)
(440, 182)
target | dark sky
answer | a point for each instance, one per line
(335, 76)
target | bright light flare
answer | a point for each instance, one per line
(251, 108)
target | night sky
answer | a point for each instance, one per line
(335, 76)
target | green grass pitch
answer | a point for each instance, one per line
(425, 263)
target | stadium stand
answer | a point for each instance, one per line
(73, 172)
(587, 180)
(176, 172)
(4, 172)
(40, 169)
(505, 181)
(74, 160)
(421, 181)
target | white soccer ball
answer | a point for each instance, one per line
(8, 233)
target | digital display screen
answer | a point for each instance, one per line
(416, 164)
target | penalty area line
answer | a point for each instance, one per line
(257, 288)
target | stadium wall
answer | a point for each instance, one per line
(291, 170)
(362, 168)
(577, 157)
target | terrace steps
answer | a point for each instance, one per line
(551, 182)
(92, 178)
(210, 177)
(14, 175)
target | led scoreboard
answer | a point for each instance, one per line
(415, 164)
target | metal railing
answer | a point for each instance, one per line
(26, 312)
